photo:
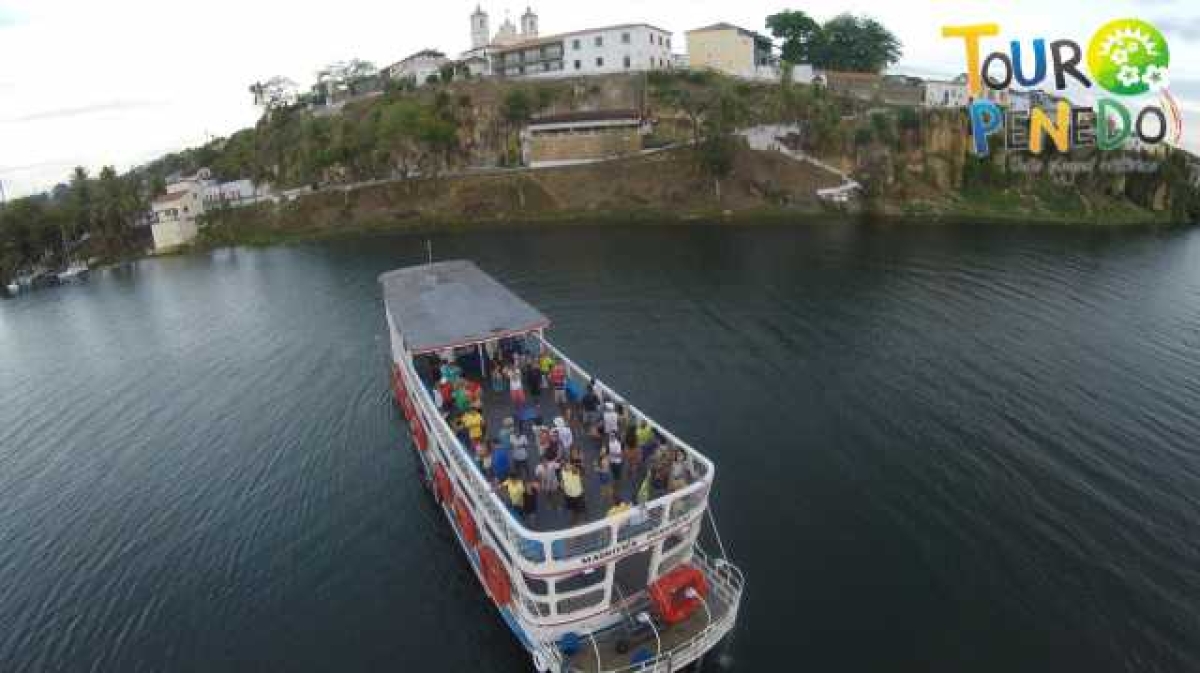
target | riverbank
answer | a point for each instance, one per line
(663, 188)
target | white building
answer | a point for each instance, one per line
(175, 213)
(418, 67)
(613, 49)
(232, 194)
(946, 94)
(174, 216)
(955, 94)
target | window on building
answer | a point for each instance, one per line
(625, 38)
(546, 67)
(627, 63)
(599, 40)
(578, 64)
(668, 43)
(575, 45)
(599, 62)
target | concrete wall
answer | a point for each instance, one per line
(550, 149)
(174, 233)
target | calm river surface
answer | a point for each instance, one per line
(939, 448)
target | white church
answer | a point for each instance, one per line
(622, 48)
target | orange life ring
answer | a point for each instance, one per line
(669, 593)
(442, 488)
(495, 577)
(466, 523)
(419, 436)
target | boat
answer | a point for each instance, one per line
(75, 271)
(13, 288)
(629, 588)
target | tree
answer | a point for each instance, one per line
(798, 32)
(718, 147)
(856, 44)
(517, 106)
(447, 73)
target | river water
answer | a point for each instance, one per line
(939, 448)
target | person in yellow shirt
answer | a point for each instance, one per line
(514, 489)
(473, 422)
(572, 487)
(619, 508)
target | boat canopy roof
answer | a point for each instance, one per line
(446, 304)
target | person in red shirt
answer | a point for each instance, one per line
(558, 381)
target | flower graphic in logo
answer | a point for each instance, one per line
(1156, 78)
(1129, 76)
(1129, 57)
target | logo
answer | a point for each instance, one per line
(1129, 57)
(1126, 58)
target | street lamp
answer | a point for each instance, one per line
(644, 617)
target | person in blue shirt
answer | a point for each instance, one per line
(501, 462)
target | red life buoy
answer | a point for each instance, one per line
(495, 577)
(466, 523)
(442, 488)
(418, 434)
(398, 387)
(669, 593)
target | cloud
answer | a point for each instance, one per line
(84, 110)
(8, 17)
(1187, 28)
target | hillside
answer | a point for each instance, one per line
(451, 153)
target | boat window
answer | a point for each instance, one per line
(580, 602)
(581, 580)
(568, 548)
(537, 608)
(537, 586)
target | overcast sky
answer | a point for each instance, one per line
(124, 81)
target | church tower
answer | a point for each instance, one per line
(529, 24)
(479, 28)
(507, 34)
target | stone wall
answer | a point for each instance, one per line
(591, 145)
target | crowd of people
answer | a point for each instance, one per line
(591, 449)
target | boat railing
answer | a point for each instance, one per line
(542, 553)
(726, 584)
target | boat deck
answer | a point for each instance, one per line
(551, 514)
(542, 410)
(621, 646)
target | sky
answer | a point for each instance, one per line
(124, 81)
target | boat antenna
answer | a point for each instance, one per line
(429, 250)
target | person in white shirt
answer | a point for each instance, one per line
(565, 437)
(615, 456)
(612, 420)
